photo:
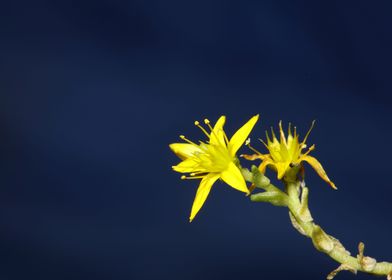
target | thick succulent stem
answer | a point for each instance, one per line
(295, 198)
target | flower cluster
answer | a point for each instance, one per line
(216, 158)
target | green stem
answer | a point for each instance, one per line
(296, 199)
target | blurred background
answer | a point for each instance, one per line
(92, 93)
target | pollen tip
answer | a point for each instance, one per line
(206, 121)
(197, 123)
(183, 177)
(247, 142)
(182, 136)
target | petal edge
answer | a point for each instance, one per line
(202, 193)
(233, 177)
(241, 135)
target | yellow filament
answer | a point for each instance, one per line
(183, 177)
(187, 140)
(202, 129)
(307, 134)
(253, 149)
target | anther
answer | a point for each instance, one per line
(187, 140)
(247, 143)
(202, 128)
(207, 122)
(183, 177)
(311, 148)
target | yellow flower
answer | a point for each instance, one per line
(212, 160)
(287, 153)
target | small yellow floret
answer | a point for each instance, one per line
(286, 153)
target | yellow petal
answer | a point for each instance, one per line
(184, 150)
(319, 169)
(233, 177)
(217, 134)
(264, 164)
(241, 135)
(186, 166)
(281, 168)
(202, 193)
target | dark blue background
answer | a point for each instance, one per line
(92, 93)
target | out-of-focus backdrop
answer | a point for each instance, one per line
(92, 93)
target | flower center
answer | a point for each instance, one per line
(210, 157)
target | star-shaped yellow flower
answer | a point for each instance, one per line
(286, 153)
(212, 160)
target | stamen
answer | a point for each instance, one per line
(311, 148)
(198, 173)
(289, 129)
(207, 122)
(187, 140)
(247, 143)
(183, 177)
(202, 129)
(310, 129)
(265, 144)
(225, 136)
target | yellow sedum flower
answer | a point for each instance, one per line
(212, 160)
(286, 153)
